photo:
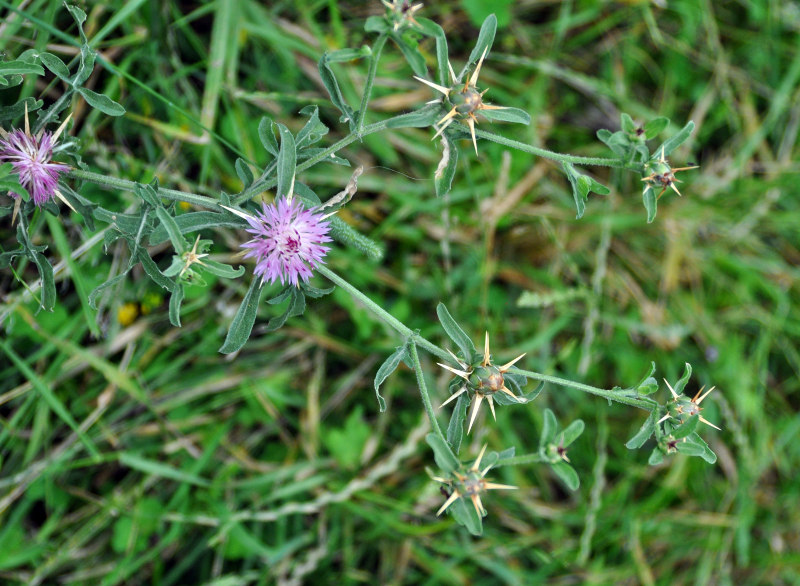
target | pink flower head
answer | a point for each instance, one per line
(287, 241)
(30, 157)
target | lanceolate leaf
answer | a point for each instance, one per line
(387, 368)
(508, 114)
(445, 459)
(422, 118)
(549, 427)
(175, 301)
(432, 29)
(103, 103)
(455, 429)
(287, 161)
(567, 474)
(675, 141)
(243, 321)
(462, 340)
(411, 53)
(267, 136)
(485, 40)
(644, 433)
(446, 171)
(650, 203)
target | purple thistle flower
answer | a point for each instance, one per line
(30, 157)
(287, 241)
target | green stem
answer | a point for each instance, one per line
(517, 460)
(382, 314)
(386, 317)
(373, 68)
(423, 391)
(539, 152)
(125, 185)
(618, 396)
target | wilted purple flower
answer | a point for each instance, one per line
(30, 156)
(287, 241)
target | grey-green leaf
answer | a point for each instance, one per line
(465, 514)
(686, 428)
(676, 140)
(222, 270)
(446, 171)
(422, 118)
(267, 136)
(388, 367)
(56, 65)
(244, 173)
(314, 129)
(48, 290)
(644, 433)
(567, 474)
(650, 203)
(455, 429)
(101, 102)
(173, 231)
(243, 321)
(627, 123)
(376, 24)
(572, 432)
(681, 384)
(459, 337)
(432, 29)
(175, 301)
(656, 457)
(287, 161)
(508, 114)
(19, 67)
(549, 427)
(655, 127)
(484, 42)
(441, 453)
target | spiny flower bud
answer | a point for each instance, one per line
(482, 379)
(464, 98)
(662, 175)
(469, 483)
(682, 407)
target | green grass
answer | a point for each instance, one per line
(139, 454)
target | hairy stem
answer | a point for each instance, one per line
(382, 314)
(125, 185)
(618, 396)
(423, 391)
(544, 153)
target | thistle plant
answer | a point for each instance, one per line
(293, 232)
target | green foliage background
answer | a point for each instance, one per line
(274, 465)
